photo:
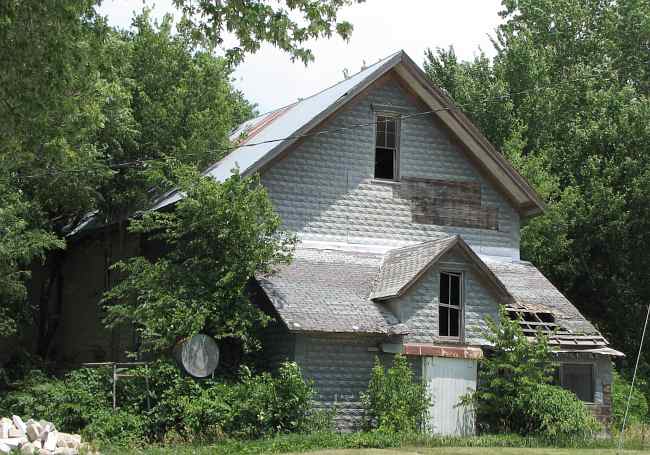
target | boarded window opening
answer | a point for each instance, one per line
(386, 152)
(579, 379)
(449, 305)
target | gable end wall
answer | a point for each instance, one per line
(323, 189)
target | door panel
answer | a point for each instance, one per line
(448, 380)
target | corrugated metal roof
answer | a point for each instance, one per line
(295, 118)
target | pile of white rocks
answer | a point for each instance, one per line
(34, 437)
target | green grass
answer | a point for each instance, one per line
(384, 444)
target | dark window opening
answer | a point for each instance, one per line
(579, 379)
(386, 156)
(449, 305)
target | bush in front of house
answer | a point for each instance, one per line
(638, 413)
(549, 411)
(514, 394)
(395, 401)
(173, 406)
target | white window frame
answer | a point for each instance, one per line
(460, 307)
(396, 151)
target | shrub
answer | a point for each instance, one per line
(120, 427)
(395, 401)
(71, 402)
(549, 411)
(173, 407)
(638, 413)
(514, 392)
(262, 405)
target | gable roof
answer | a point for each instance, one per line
(271, 133)
(403, 266)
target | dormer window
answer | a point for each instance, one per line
(449, 305)
(386, 147)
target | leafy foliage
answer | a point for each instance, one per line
(217, 237)
(251, 407)
(638, 413)
(287, 26)
(566, 98)
(20, 244)
(395, 401)
(514, 394)
(554, 413)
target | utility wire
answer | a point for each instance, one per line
(457, 107)
(629, 396)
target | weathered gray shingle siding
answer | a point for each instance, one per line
(324, 189)
(418, 308)
(278, 345)
(340, 366)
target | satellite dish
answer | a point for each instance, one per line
(198, 355)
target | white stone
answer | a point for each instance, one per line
(52, 439)
(18, 422)
(65, 451)
(4, 448)
(14, 443)
(28, 448)
(34, 431)
(4, 429)
(69, 440)
(16, 432)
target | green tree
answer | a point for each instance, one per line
(395, 401)
(566, 98)
(217, 237)
(514, 393)
(20, 244)
(88, 114)
(287, 25)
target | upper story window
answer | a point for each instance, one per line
(449, 305)
(386, 147)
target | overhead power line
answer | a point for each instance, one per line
(140, 164)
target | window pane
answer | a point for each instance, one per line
(390, 140)
(380, 140)
(579, 379)
(384, 163)
(455, 290)
(444, 288)
(443, 321)
(454, 323)
(390, 126)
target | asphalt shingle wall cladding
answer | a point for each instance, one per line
(340, 367)
(418, 308)
(324, 188)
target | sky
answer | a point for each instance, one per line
(271, 80)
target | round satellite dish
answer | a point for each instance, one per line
(199, 355)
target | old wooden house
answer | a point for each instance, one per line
(409, 226)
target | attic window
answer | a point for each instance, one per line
(386, 150)
(449, 305)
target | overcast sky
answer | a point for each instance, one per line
(269, 79)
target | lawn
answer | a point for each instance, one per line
(474, 451)
(402, 451)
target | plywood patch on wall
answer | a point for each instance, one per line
(448, 203)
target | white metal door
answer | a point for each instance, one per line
(448, 380)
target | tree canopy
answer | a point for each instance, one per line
(90, 115)
(216, 238)
(566, 98)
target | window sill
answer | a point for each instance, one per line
(387, 182)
